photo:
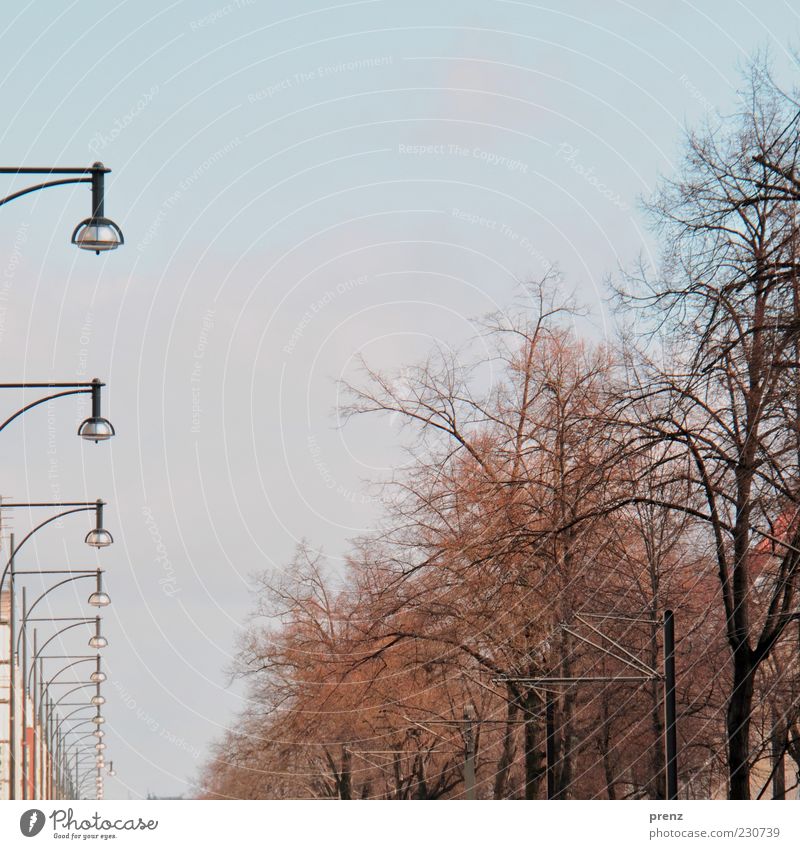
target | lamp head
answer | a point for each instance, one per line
(98, 641)
(98, 720)
(97, 677)
(99, 599)
(98, 538)
(97, 234)
(98, 700)
(96, 429)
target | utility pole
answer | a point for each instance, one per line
(644, 673)
(469, 754)
(550, 725)
(670, 710)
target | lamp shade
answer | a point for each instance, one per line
(99, 599)
(96, 429)
(98, 720)
(97, 677)
(99, 538)
(98, 700)
(97, 234)
(98, 641)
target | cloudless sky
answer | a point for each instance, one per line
(297, 184)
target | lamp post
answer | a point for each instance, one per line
(76, 754)
(98, 537)
(94, 768)
(97, 641)
(96, 233)
(96, 700)
(29, 679)
(95, 428)
(74, 730)
(55, 747)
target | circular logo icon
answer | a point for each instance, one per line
(31, 822)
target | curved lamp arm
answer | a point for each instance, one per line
(78, 725)
(89, 573)
(71, 714)
(42, 647)
(42, 401)
(70, 692)
(78, 740)
(69, 666)
(40, 186)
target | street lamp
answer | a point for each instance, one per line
(73, 507)
(96, 428)
(97, 641)
(97, 677)
(98, 599)
(93, 429)
(36, 755)
(57, 779)
(96, 233)
(99, 537)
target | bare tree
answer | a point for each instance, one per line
(725, 388)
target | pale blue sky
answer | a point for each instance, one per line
(298, 184)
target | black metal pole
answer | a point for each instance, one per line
(24, 744)
(42, 789)
(550, 726)
(96, 398)
(34, 718)
(12, 676)
(469, 754)
(670, 710)
(50, 753)
(98, 190)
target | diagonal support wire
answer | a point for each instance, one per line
(619, 646)
(631, 660)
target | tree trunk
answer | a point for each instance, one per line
(507, 755)
(565, 719)
(740, 708)
(778, 745)
(345, 785)
(659, 781)
(534, 760)
(604, 743)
